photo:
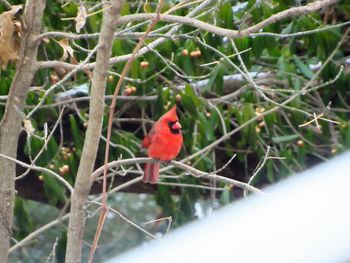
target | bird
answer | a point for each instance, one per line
(163, 143)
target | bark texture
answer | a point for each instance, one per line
(12, 120)
(83, 181)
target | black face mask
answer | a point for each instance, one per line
(172, 130)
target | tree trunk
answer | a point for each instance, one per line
(11, 122)
(83, 181)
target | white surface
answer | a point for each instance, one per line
(303, 219)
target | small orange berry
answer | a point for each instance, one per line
(54, 78)
(65, 168)
(195, 54)
(185, 52)
(110, 78)
(262, 124)
(127, 91)
(300, 143)
(144, 64)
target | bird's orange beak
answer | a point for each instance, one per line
(176, 126)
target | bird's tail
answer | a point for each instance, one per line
(151, 173)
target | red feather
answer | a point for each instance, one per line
(163, 143)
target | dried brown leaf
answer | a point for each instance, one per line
(67, 49)
(28, 127)
(81, 18)
(9, 35)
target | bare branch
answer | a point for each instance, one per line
(59, 220)
(276, 108)
(299, 34)
(191, 170)
(40, 169)
(258, 169)
(294, 11)
(123, 58)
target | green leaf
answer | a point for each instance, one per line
(54, 190)
(303, 68)
(190, 101)
(187, 65)
(22, 218)
(61, 247)
(287, 29)
(164, 199)
(46, 156)
(77, 136)
(216, 81)
(159, 105)
(346, 135)
(189, 91)
(135, 69)
(285, 138)
(249, 131)
(270, 172)
(225, 196)
(226, 15)
(206, 128)
(243, 44)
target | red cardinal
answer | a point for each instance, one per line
(163, 142)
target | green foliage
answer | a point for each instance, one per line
(23, 221)
(36, 144)
(226, 15)
(61, 247)
(285, 138)
(77, 135)
(205, 112)
(54, 190)
(190, 101)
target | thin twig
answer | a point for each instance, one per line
(195, 172)
(258, 169)
(300, 34)
(6, 4)
(40, 169)
(104, 208)
(64, 79)
(193, 186)
(60, 219)
(291, 98)
(128, 220)
(294, 11)
(45, 144)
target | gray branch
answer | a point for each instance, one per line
(82, 183)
